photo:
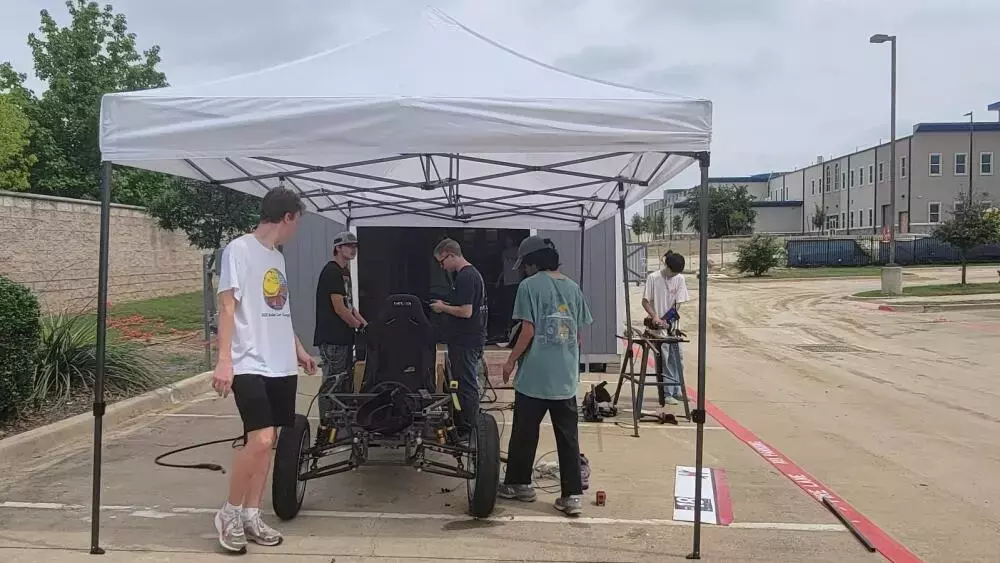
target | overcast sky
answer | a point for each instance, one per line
(789, 79)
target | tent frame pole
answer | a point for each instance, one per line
(628, 305)
(102, 332)
(698, 415)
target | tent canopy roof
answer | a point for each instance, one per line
(431, 124)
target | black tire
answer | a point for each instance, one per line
(287, 491)
(482, 490)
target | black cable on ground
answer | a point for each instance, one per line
(236, 441)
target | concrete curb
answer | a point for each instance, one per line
(41, 441)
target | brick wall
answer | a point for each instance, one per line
(51, 245)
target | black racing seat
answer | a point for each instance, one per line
(400, 347)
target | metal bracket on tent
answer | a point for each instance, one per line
(698, 416)
(705, 158)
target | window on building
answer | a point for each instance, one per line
(986, 163)
(861, 176)
(852, 221)
(934, 212)
(827, 182)
(871, 218)
(843, 218)
(957, 206)
(902, 167)
(934, 164)
(843, 179)
(812, 187)
(871, 173)
(881, 172)
(961, 164)
(852, 179)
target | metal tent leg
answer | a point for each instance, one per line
(628, 307)
(698, 415)
(102, 330)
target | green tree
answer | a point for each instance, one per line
(15, 163)
(92, 56)
(638, 225)
(972, 224)
(759, 254)
(209, 215)
(819, 218)
(676, 224)
(656, 224)
(730, 211)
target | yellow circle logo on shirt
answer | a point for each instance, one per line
(275, 289)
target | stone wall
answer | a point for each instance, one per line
(51, 245)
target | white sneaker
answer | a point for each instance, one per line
(259, 532)
(670, 400)
(229, 525)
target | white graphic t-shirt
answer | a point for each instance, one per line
(665, 293)
(263, 339)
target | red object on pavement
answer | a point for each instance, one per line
(602, 498)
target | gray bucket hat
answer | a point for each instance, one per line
(346, 237)
(529, 245)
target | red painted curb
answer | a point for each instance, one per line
(723, 500)
(889, 308)
(883, 542)
(886, 545)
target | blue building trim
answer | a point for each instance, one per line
(685, 204)
(995, 106)
(958, 127)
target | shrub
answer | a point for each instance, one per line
(760, 254)
(67, 360)
(19, 320)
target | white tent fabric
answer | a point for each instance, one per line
(425, 108)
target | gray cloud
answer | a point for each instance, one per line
(789, 80)
(605, 60)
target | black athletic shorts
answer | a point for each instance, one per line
(265, 402)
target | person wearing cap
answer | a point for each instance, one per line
(336, 323)
(546, 357)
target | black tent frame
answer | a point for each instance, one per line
(575, 209)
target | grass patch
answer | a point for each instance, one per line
(174, 313)
(824, 272)
(938, 290)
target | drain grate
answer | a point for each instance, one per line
(831, 349)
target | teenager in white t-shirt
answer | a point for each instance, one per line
(259, 359)
(665, 290)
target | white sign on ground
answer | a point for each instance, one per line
(716, 506)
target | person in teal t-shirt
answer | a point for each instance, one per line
(546, 355)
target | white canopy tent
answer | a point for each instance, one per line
(427, 125)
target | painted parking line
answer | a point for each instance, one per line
(608, 424)
(159, 512)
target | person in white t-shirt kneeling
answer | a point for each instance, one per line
(259, 359)
(665, 291)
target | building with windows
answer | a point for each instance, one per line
(933, 166)
(850, 194)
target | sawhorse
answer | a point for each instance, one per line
(647, 345)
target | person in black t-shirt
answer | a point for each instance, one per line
(336, 322)
(466, 333)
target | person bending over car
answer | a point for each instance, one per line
(258, 360)
(546, 355)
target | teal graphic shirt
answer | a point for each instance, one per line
(556, 308)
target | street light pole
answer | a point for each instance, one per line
(896, 276)
(969, 160)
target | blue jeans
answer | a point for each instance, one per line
(464, 362)
(673, 368)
